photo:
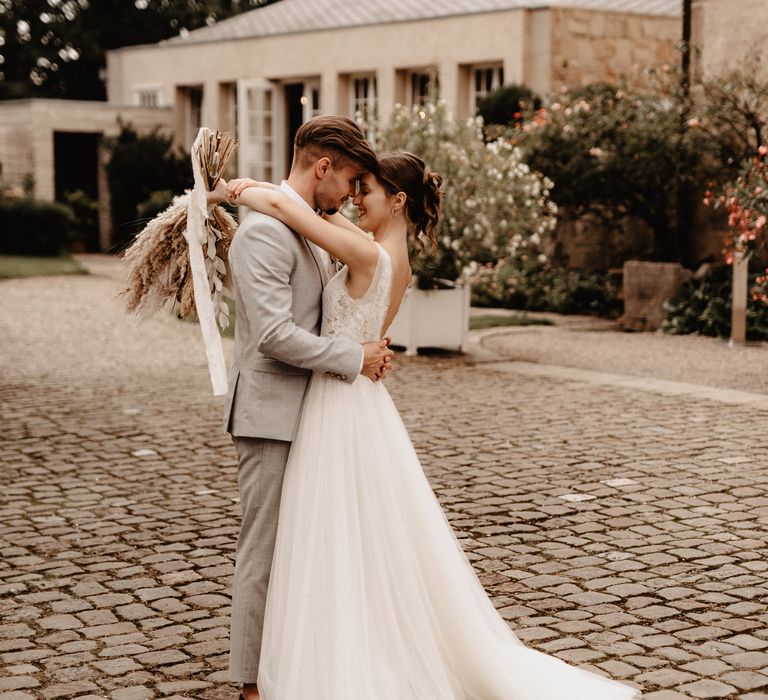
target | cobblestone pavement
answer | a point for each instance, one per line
(624, 531)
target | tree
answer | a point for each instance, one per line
(57, 48)
(140, 166)
(617, 150)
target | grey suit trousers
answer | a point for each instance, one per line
(260, 475)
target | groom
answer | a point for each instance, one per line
(278, 282)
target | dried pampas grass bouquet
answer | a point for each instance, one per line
(159, 273)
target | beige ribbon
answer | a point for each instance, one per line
(197, 237)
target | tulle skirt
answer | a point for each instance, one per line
(371, 596)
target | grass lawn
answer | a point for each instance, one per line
(478, 323)
(28, 266)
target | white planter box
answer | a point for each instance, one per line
(433, 318)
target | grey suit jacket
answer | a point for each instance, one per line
(278, 282)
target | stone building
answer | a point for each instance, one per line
(58, 146)
(266, 71)
(726, 33)
(262, 73)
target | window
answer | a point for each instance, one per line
(148, 97)
(421, 86)
(484, 80)
(363, 107)
(259, 132)
(190, 112)
(310, 100)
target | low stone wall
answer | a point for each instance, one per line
(647, 285)
(590, 243)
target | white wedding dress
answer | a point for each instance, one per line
(371, 596)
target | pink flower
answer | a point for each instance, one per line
(694, 123)
(760, 222)
(763, 150)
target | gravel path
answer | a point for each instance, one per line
(595, 344)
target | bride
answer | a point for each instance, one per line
(371, 596)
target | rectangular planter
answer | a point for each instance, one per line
(432, 318)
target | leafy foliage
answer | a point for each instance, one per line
(703, 306)
(57, 48)
(507, 104)
(140, 166)
(535, 285)
(732, 112)
(30, 227)
(494, 206)
(85, 218)
(617, 150)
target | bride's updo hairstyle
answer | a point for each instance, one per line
(405, 172)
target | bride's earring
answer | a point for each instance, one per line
(394, 211)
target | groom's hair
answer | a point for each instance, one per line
(334, 137)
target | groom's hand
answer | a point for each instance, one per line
(377, 359)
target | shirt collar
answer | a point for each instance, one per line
(287, 190)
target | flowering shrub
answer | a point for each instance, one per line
(618, 150)
(746, 200)
(494, 207)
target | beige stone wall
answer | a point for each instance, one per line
(588, 46)
(16, 148)
(726, 33)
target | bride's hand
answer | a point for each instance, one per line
(218, 195)
(237, 185)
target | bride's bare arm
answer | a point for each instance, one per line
(357, 251)
(342, 221)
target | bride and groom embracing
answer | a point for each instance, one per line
(359, 590)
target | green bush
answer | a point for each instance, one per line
(703, 306)
(139, 166)
(85, 221)
(532, 284)
(30, 227)
(507, 105)
(157, 202)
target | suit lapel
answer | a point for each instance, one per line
(321, 267)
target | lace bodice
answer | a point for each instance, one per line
(359, 319)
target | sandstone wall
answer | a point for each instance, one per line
(726, 33)
(588, 46)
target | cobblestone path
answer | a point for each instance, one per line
(622, 530)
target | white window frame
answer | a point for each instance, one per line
(364, 108)
(496, 72)
(152, 91)
(258, 115)
(310, 99)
